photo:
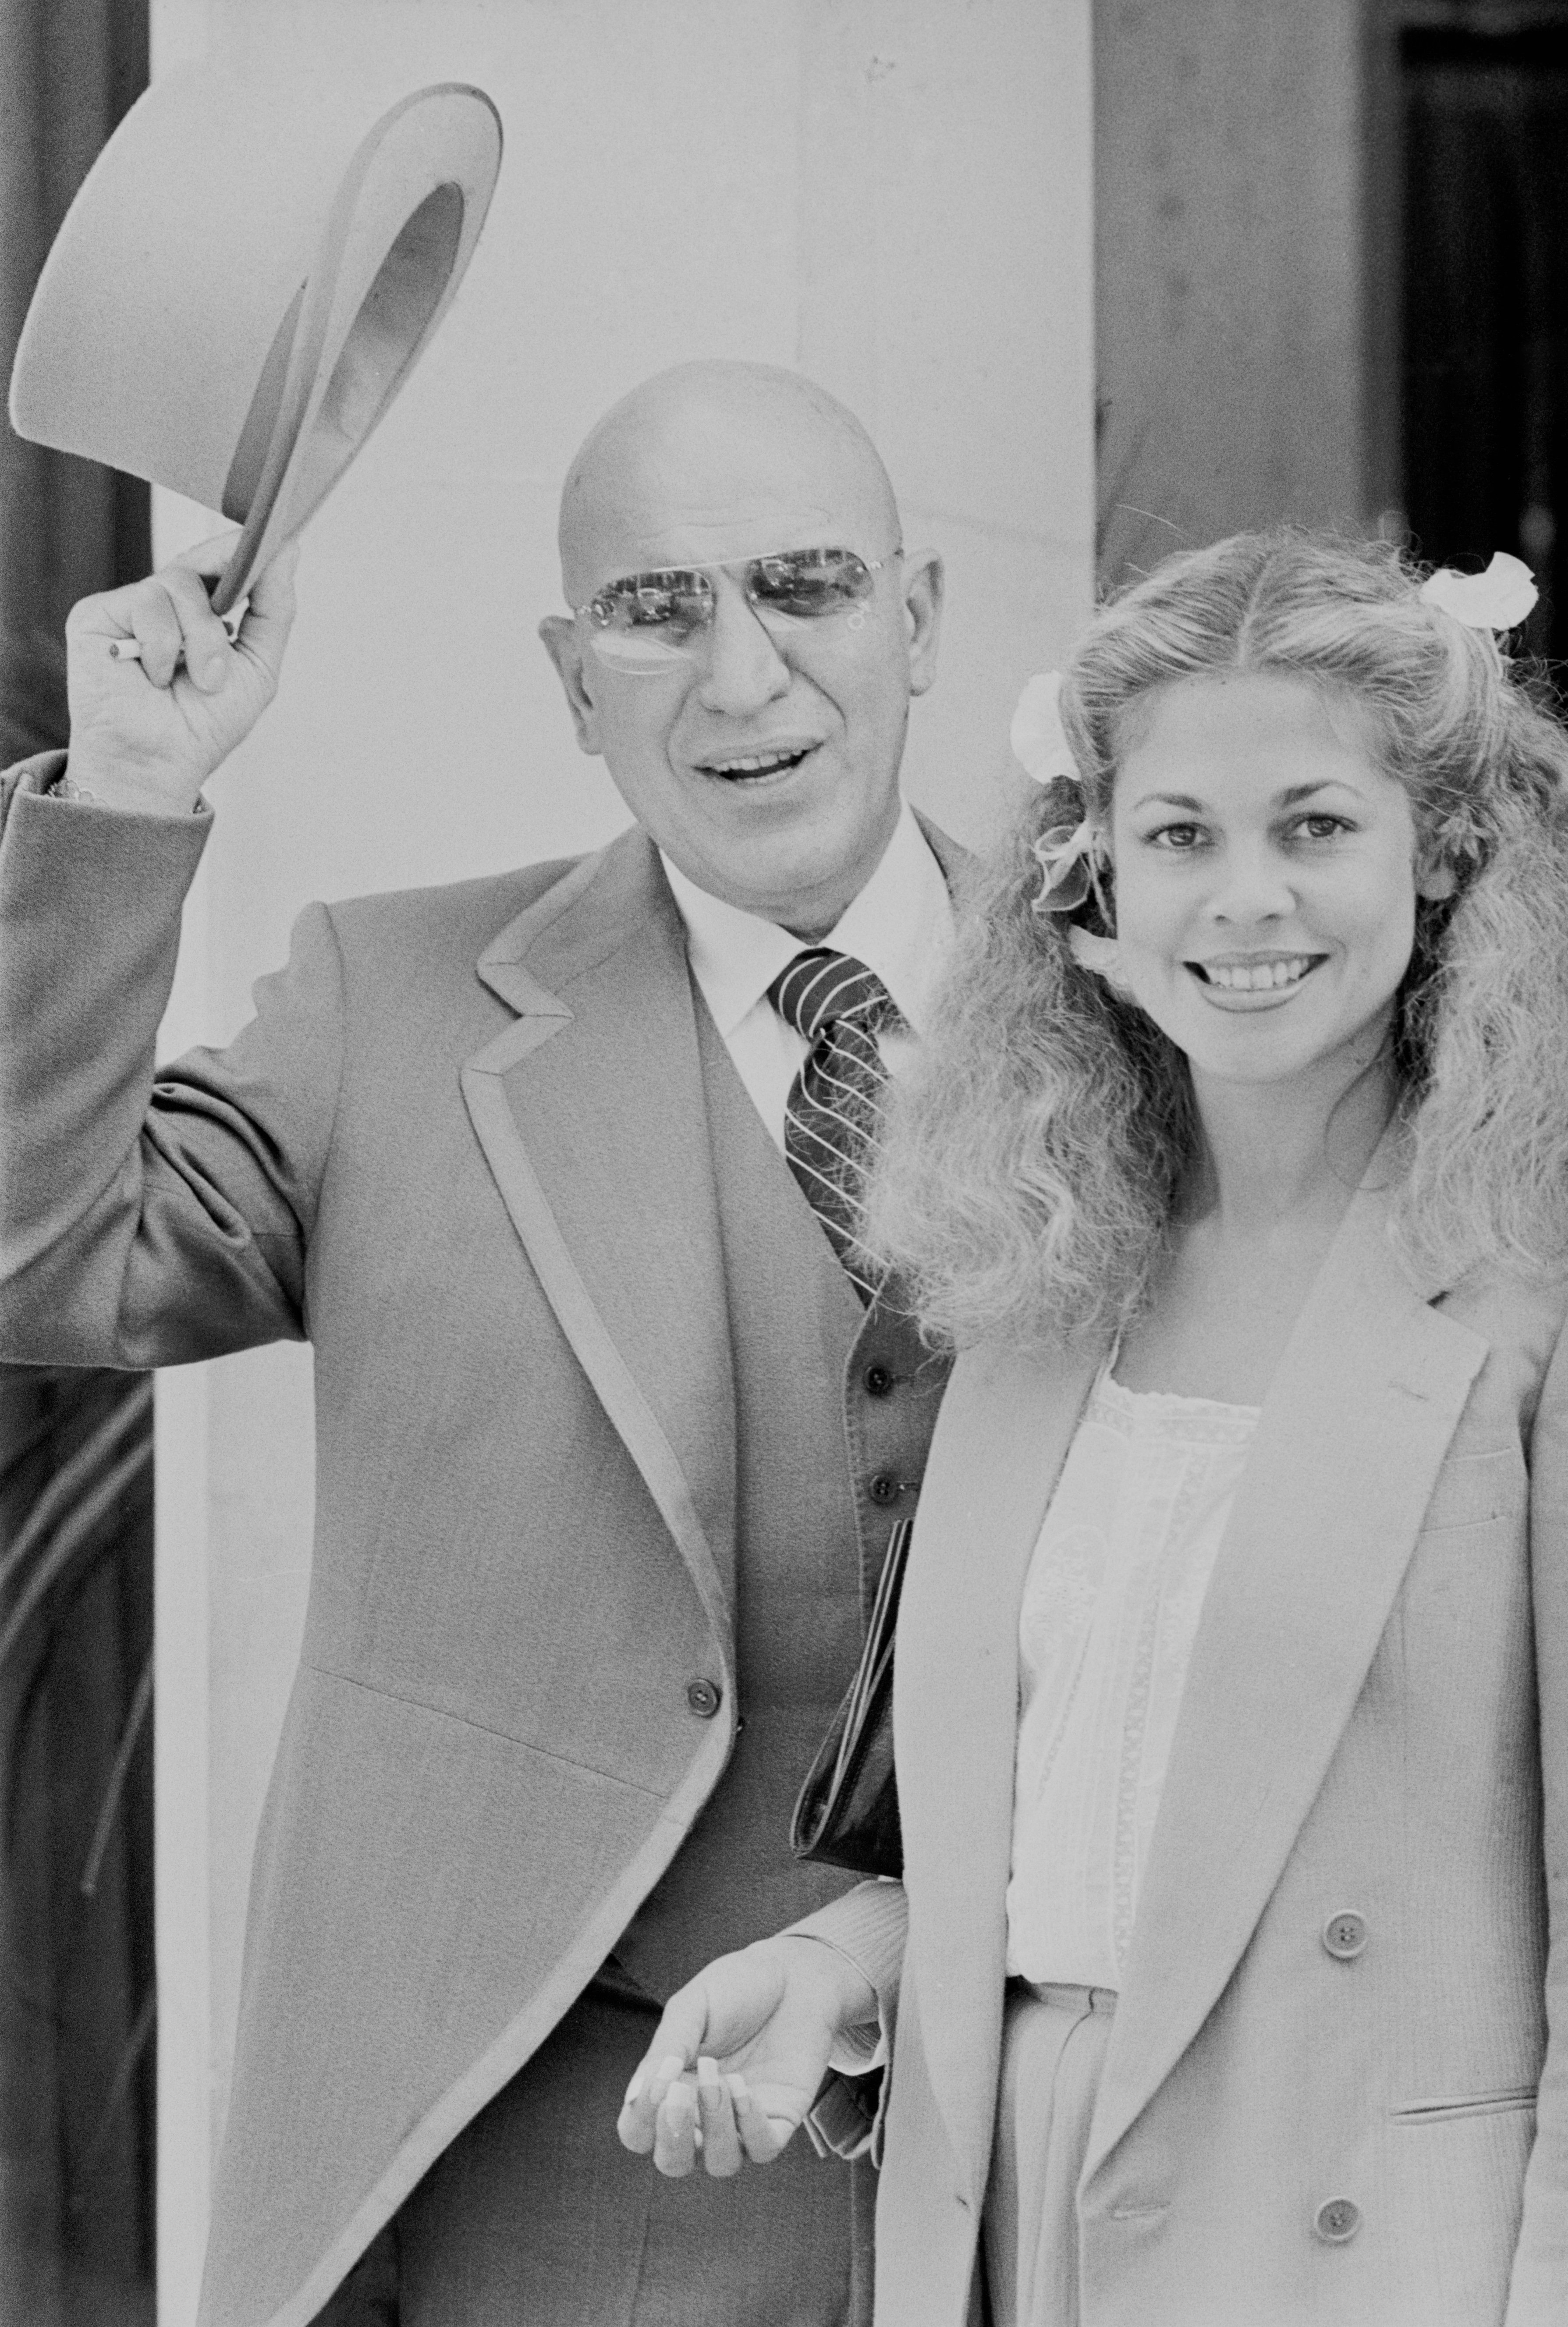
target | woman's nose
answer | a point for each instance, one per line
(742, 669)
(1253, 885)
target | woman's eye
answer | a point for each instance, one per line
(1322, 827)
(1181, 837)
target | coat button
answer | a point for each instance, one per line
(1336, 2219)
(1344, 1934)
(883, 1488)
(703, 1697)
(878, 1381)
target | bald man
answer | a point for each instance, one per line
(613, 1425)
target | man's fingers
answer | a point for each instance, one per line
(716, 2116)
(659, 2068)
(169, 622)
(270, 612)
(676, 2134)
(153, 620)
(760, 2137)
(210, 556)
(209, 653)
(168, 619)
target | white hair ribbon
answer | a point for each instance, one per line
(1039, 739)
(1068, 855)
(1498, 600)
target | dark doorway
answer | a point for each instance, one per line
(1484, 297)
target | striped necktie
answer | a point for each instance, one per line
(834, 1110)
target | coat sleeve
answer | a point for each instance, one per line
(146, 1219)
(1539, 2286)
(868, 1925)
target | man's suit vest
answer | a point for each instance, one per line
(835, 1406)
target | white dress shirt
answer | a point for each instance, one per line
(899, 925)
(1110, 1609)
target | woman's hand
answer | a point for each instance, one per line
(757, 2027)
(146, 734)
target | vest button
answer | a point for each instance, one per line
(878, 1381)
(1336, 2219)
(1344, 1934)
(883, 1488)
(703, 1697)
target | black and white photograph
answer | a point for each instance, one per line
(783, 1163)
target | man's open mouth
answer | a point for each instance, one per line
(738, 767)
(1264, 973)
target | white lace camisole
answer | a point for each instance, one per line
(1110, 1609)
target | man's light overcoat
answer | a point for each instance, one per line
(488, 1200)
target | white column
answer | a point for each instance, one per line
(894, 195)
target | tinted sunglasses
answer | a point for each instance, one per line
(648, 621)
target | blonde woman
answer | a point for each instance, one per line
(1227, 1981)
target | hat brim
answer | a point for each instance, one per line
(393, 252)
(243, 284)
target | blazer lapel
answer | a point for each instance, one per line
(592, 1114)
(1000, 1442)
(1356, 1422)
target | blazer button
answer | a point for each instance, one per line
(883, 1488)
(1336, 2219)
(1344, 1934)
(703, 1697)
(878, 1381)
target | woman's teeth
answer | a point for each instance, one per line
(1252, 976)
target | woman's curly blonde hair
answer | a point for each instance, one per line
(1033, 1159)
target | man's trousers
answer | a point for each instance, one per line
(536, 2216)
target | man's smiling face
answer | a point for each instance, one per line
(765, 759)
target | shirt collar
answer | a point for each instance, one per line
(899, 925)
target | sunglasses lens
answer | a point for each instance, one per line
(804, 585)
(649, 620)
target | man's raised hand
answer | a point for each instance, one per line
(740, 2055)
(146, 734)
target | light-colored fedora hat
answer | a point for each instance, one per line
(245, 281)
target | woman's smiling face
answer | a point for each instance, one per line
(1266, 874)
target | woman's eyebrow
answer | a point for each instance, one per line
(1294, 792)
(1171, 799)
(1288, 798)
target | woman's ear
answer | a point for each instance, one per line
(1435, 878)
(1102, 955)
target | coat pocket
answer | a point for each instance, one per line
(1448, 2111)
(1471, 1488)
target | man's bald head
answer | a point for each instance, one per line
(713, 462)
(759, 746)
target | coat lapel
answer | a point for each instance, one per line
(592, 1114)
(1357, 1423)
(1001, 1439)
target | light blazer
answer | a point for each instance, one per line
(1376, 1720)
(463, 1148)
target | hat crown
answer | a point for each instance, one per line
(245, 280)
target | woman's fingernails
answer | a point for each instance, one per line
(707, 2071)
(672, 2066)
(636, 2085)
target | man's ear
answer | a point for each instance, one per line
(564, 646)
(922, 615)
